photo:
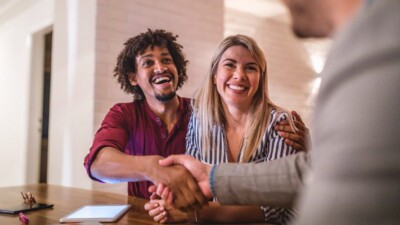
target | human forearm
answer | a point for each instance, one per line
(273, 183)
(113, 166)
(217, 213)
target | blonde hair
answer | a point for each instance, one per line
(208, 109)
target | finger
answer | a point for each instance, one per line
(174, 159)
(183, 200)
(198, 194)
(191, 201)
(170, 160)
(295, 145)
(170, 198)
(179, 201)
(165, 220)
(300, 126)
(297, 116)
(150, 205)
(151, 189)
(299, 137)
(154, 196)
(284, 122)
(156, 211)
(160, 188)
(285, 128)
(165, 193)
(160, 216)
(194, 195)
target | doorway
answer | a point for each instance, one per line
(39, 105)
(45, 107)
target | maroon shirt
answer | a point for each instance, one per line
(136, 130)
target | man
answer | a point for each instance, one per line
(355, 157)
(135, 135)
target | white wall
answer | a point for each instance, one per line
(17, 28)
(72, 91)
(87, 37)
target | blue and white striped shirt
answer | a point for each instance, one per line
(271, 147)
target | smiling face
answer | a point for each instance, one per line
(237, 77)
(156, 74)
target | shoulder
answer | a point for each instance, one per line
(277, 116)
(125, 111)
(186, 103)
(126, 107)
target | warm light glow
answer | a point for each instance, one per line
(315, 86)
(317, 62)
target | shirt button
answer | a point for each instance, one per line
(158, 119)
(164, 136)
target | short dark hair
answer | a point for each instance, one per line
(126, 61)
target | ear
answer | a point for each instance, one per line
(132, 79)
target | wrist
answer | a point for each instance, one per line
(211, 172)
(149, 167)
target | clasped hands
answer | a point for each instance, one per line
(177, 200)
(183, 193)
(185, 190)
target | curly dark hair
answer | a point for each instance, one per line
(126, 61)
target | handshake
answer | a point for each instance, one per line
(184, 191)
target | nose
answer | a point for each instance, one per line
(239, 74)
(159, 67)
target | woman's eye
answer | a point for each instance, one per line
(229, 65)
(252, 68)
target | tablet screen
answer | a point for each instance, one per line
(101, 213)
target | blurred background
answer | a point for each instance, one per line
(57, 58)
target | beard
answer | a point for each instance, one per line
(166, 97)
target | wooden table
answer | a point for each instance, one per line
(66, 200)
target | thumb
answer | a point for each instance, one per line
(170, 160)
(152, 189)
(297, 116)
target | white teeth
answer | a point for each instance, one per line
(161, 79)
(234, 87)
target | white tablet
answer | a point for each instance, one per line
(100, 213)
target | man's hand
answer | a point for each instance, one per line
(200, 172)
(299, 140)
(179, 181)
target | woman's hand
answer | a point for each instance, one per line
(165, 213)
(157, 210)
(299, 140)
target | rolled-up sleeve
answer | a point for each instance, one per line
(112, 133)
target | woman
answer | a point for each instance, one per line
(233, 121)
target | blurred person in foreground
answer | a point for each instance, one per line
(234, 121)
(355, 174)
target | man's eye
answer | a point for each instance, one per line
(167, 60)
(147, 63)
